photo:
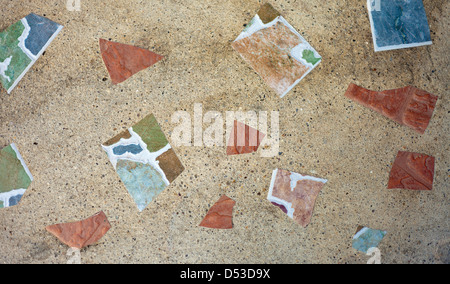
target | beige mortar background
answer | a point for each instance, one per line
(62, 111)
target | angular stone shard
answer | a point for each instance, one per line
(367, 238)
(144, 160)
(412, 171)
(244, 139)
(15, 177)
(398, 24)
(83, 233)
(21, 45)
(408, 106)
(295, 194)
(267, 13)
(220, 216)
(123, 61)
(276, 51)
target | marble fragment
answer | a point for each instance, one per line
(82, 233)
(295, 194)
(220, 216)
(144, 160)
(398, 24)
(244, 139)
(15, 177)
(408, 106)
(21, 45)
(366, 238)
(276, 51)
(123, 60)
(412, 171)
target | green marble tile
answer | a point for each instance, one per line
(15, 177)
(151, 133)
(21, 45)
(13, 61)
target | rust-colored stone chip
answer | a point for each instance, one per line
(83, 233)
(408, 106)
(220, 216)
(412, 171)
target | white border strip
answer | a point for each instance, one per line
(22, 161)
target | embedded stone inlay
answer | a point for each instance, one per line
(82, 233)
(276, 51)
(295, 194)
(220, 216)
(408, 106)
(144, 160)
(412, 171)
(123, 60)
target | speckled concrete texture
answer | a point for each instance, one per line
(66, 106)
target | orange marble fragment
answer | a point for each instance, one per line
(244, 139)
(83, 233)
(412, 171)
(220, 216)
(408, 106)
(123, 61)
(268, 51)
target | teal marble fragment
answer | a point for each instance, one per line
(142, 181)
(398, 24)
(368, 238)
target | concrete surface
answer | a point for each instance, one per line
(66, 106)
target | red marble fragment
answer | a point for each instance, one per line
(123, 61)
(243, 139)
(83, 233)
(220, 216)
(408, 106)
(412, 171)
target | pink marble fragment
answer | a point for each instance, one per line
(295, 194)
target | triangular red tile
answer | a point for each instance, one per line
(123, 60)
(244, 139)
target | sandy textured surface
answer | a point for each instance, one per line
(66, 106)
